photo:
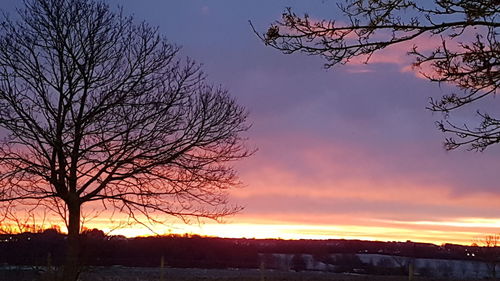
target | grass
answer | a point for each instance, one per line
(194, 274)
(173, 274)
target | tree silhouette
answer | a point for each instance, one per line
(490, 252)
(94, 107)
(468, 55)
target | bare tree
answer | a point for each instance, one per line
(490, 252)
(468, 55)
(94, 107)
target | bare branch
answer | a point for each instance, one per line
(468, 56)
(97, 107)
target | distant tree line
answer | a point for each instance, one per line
(208, 252)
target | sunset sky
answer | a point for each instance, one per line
(349, 152)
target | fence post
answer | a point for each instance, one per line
(262, 270)
(162, 266)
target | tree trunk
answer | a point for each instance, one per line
(71, 266)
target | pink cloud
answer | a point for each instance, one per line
(205, 10)
(358, 184)
(397, 55)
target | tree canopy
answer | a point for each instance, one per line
(467, 55)
(96, 107)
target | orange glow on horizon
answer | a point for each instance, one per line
(463, 231)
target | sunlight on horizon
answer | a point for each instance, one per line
(465, 230)
(467, 234)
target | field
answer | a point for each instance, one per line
(174, 274)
